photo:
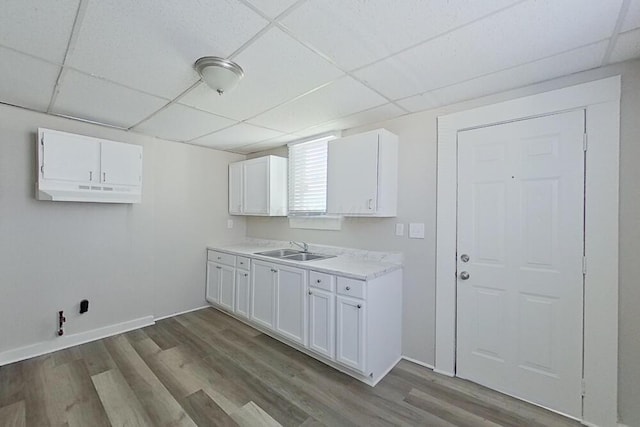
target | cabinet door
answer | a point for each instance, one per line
(263, 278)
(214, 277)
(291, 303)
(322, 322)
(235, 188)
(255, 176)
(350, 333)
(352, 174)
(70, 158)
(121, 164)
(227, 287)
(242, 293)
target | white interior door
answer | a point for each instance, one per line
(520, 293)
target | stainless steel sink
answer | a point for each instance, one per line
(279, 253)
(306, 256)
(293, 255)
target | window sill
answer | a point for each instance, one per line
(321, 222)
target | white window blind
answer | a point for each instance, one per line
(308, 178)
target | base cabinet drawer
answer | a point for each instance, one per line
(221, 258)
(350, 333)
(322, 326)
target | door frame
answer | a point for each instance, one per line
(601, 100)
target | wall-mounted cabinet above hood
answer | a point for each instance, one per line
(77, 168)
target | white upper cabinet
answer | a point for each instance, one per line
(77, 168)
(362, 175)
(258, 187)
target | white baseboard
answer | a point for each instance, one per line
(67, 341)
(417, 362)
(441, 372)
(181, 312)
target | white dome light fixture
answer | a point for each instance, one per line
(219, 74)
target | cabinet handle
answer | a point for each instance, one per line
(246, 274)
(241, 263)
(104, 177)
(318, 281)
(370, 204)
(359, 305)
(349, 288)
(274, 270)
(90, 175)
(310, 293)
(219, 268)
(219, 257)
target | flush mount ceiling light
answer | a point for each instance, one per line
(219, 74)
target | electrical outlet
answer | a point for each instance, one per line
(399, 229)
(229, 223)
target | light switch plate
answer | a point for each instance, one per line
(416, 230)
(399, 229)
(229, 223)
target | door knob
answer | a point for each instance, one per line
(464, 275)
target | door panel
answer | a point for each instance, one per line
(227, 287)
(121, 163)
(350, 333)
(322, 322)
(352, 174)
(291, 304)
(71, 158)
(242, 293)
(521, 221)
(214, 276)
(256, 186)
(263, 277)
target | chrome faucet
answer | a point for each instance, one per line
(304, 246)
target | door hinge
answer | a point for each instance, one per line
(585, 142)
(583, 388)
(584, 265)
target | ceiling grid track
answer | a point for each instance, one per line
(624, 8)
(73, 38)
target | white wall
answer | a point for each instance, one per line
(416, 203)
(130, 261)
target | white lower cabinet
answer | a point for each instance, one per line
(263, 292)
(350, 333)
(322, 324)
(291, 303)
(353, 325)
(243, 285)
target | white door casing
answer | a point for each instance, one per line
(601, 100)
(520, 221)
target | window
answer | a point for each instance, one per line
(308, 178)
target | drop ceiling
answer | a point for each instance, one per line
(311, 66)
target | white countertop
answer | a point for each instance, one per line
(346, 262)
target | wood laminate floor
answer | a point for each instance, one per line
(207, 369)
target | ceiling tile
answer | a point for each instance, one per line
(627, 46)
(373, 115)
(181, 123)
(118, 106)
(277, 68)
(342, 97)
(534, 72)
(26, 81)
(236, 136)
(152, 46)
(268, 144)
(272, 8)
(356, 33)
(632, 20)
(38, 27)
(521, 34)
